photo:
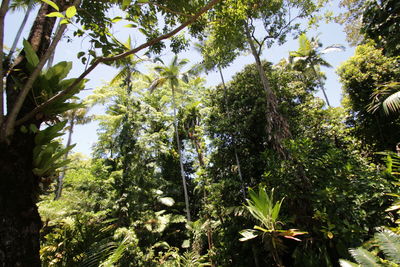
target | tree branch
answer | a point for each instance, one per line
(3, 11)
(11, 120)
(55, 98)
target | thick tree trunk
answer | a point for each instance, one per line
(19, 218)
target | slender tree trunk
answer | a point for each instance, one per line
(233, 136)
(320, 84)
(62, 175)
(21, 28)
(180, 157)
(51, 58)
(277, 127)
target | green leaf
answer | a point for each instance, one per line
(64, 21)
(389, 242)
(345, 263)
(71, 11)
(116, 19)
(30, 55)
(55, 14)
(167, 201)
(23, 129)
(364, 257)
(130, 26)
(248, 234)
(52, 4)
(186, 243)
(33, 128)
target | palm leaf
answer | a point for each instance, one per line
(392, 103)
(345, 263)
(364, 257)
(389, 242)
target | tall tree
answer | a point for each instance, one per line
(171, 75)
(29, 103)
(309, 58)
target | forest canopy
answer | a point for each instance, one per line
(253, 170)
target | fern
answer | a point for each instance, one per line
(389, 243)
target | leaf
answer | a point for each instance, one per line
(392, 103)
(248, 234)
(52, 4)
(130, 25)
(389, 242)
(186, 243)
(345, 263)
(167, 201)
(71, 11)
(30, 54)
(364, 257)
(64, 21)
(55, 14)
(333, 48)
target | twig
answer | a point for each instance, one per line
(3, 11)
(55, 98)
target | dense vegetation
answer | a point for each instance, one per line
(257, 171)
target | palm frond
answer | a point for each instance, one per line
(389, 242)
(333, 48)
(345, 263)
(392, 103)
(364, 257)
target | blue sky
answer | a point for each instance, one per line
(85, 136)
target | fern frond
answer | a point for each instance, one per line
(389, 242)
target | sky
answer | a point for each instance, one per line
(86, 135)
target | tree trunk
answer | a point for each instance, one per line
(62, 175)
(233, 136)
(180, 158)
(277, 127)
(21, 28)
(19, 218)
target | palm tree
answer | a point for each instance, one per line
(127, 67)
(172, 75)
(308, 58)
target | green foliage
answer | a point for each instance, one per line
(380, 23)
(362, 76)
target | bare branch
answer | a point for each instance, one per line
(3, 11)
(55, 98)
(11, 120)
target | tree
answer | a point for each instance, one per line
(361, 76)
(381, 22)
(278, 20)
(20, 222)
(307, 57)
(171, 75)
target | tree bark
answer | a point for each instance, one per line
(19, 218)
